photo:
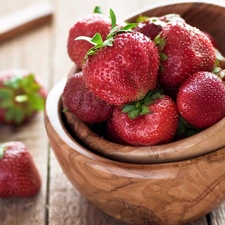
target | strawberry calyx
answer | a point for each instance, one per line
(3, 148)
(97, 9)
(160, 43)
(219, 72)
(141, 107)
(20, 98)
(185, 129)
(97, 40)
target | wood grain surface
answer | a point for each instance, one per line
(43, 51)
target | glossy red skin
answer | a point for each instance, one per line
(87, 26)
(125, 71)
(79, 100)
(201, 99)
(19, 175)
(8, 74)
(157, 127)
(188, 51)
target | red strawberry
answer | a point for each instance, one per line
(123, 67)
(19, 175)
(125, 71)
(21, 96)
(201, 99)
(151, 26)
(151, 121)
(184, 50)
(86, 26)
(79, 100)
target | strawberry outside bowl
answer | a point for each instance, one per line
(171, 184)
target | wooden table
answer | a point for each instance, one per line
(43, 51)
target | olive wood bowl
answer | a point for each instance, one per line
(156, 191)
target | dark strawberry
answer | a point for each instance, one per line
(87, 26)
(151, 121)
(184, 50)
(21, 96)
(201, 99)
(151, 26)
(79, 100)
(19, 175)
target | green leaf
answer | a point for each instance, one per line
(97, 9)
(6, 103)
(129, 27)
(216, 70)
(97, 39)
(163, 56)
(142, 19)
(13, 82)
(157, 39)
(113, 32)
(133, 114)
(88, 39)
(144, 110)
(108, 42)
(5, 93)
(128, 108)
(3, 148)
(113, 18)
(160, 42)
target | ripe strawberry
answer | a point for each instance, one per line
(21, 96)
(79, 100)
(151, 121)
(86, 26)
(122, 68)
(201, 99)
(151, 26)
(19, 175)
(184, 50)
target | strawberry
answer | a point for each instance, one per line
(201, 99)
(150, 121)
(184, 50)
(151, 26)
(86, 26)
(79, 100)
(21, 96)
(19, 175)
(122, 68)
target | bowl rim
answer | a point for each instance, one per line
(52, 111)
(143, 10)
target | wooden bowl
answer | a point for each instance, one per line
(156, 191)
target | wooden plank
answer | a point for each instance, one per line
(28, 51)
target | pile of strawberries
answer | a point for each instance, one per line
(149, 82)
